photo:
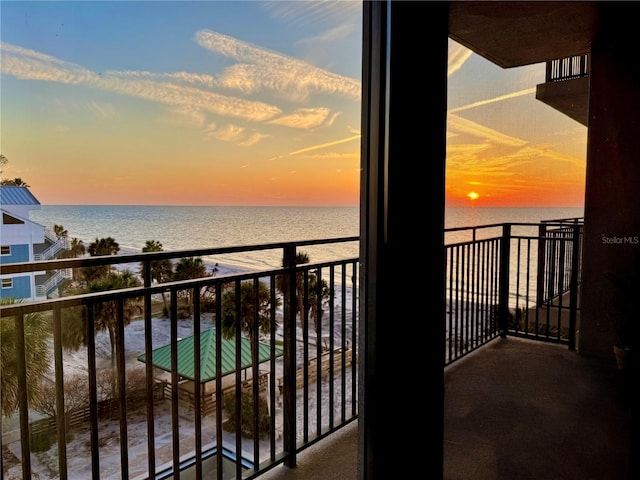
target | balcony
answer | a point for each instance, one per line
(566, 87)
(516, 394)
(514, 409)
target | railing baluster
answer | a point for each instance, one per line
(149, 380)
(61, 418)
(93, 396)
(122, 390)
(23, 405)
(198, 388)
(175, 418)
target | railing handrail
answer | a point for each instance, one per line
(120, 258)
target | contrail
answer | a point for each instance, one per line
(492, 100)
(324, 145)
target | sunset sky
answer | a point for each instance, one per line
(247, 103)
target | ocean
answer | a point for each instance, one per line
(187, 227)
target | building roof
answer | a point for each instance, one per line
(12, 195)
(186, 367)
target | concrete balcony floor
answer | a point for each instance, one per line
(514, 409)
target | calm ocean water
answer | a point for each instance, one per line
(184, 227)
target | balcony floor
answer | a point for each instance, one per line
(513, 409)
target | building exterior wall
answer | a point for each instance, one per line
(20, 288)
(19, 234)
(611, 200)
(19, 253)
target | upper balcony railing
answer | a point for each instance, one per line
(568, 68)
(501, 279)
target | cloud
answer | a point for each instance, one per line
(458, 55)
(461, 125)
(227, 133)
(261, 69)
(192, 96)
(97, 109)
(28, 64)
(303, 118)
(103, 110)
(306, 14)
(252, 139)
(336, 33)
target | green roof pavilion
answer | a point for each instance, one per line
(162, 356)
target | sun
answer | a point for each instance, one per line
(473, 195)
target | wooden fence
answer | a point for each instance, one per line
(79, 417)
(325, 366)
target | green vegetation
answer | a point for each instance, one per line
(37, 358)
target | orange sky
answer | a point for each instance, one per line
(220, 109)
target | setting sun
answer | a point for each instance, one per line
(472, 195)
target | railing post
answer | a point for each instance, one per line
(503, 309)
(23, 407)
(542, 246)
(573, 287)
(289, 365)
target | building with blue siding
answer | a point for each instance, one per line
(23, 240)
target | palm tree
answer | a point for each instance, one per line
(60, 231)
(76, 249)
(16, 182)
(254, 320)
(103, 246)
(106, 313)
(97, 248)
(282, 282)
(189, 268)
(3, 162)
(313, 289)
(161, 270)
(37, 358)
(317, 292)
(250, 307)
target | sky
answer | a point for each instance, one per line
(247, 103)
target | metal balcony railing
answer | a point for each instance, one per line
(307, 370)
(567, 68)
(511, 279)
(308, 375)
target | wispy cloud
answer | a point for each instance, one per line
(462, 125)
(97, 109)
(28, 64)
(228, 133)
(336, 33)
(303, 118)
(502, 165)
(262, 69)
(458, 55)
(305, 14)
(194, 96)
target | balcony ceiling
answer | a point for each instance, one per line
(513, 34)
